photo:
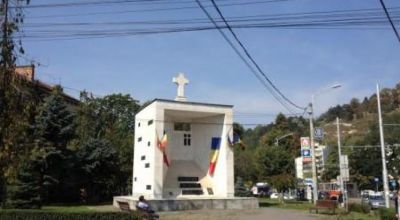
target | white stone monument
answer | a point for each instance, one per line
(194, 170)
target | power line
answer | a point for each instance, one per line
(144, 2)
(242, 58)
(390, 20)
(353, 19)
(251, 58)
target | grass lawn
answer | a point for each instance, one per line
(352, 216)
(305, 205)
(81, 208)
(288, 204)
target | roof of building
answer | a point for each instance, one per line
(186, 103)
(28, 73)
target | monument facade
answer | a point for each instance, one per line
(182, 156)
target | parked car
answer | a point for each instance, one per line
(288, 196)
(274, 195)
(260, 189)
(376, 201)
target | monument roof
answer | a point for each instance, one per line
(186, 103)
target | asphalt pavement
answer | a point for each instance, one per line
(258, 214)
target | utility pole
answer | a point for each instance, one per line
(340, 159)
(313, 164)
(4, 72)
(5, 34)
(384, 170)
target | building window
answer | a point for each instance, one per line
(138, 124)
(150, 122)
(148, 143)
(181, 126)
(139, 139)
(148, 187)
(187, 139)
(135, 179)
(143, 158)
(147, 165)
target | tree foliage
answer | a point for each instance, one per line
(111, 118)
(99, 163)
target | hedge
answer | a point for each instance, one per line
(387, 214)
(361, 208)
(46, 215)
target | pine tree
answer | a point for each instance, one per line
(42, 172)
(54, 128)
(25, 193)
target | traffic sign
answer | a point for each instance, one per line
(306, 153)
(305, 142)
(319, 133)
(344, 167)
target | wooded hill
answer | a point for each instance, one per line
(264, 161)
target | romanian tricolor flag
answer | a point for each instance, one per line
(236, 140)
(162, 145)
(215, 146)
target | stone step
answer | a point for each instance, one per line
(190, 185)
(192, 192)
(188, 178)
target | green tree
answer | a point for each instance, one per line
(53, 129)
(244, 165)
(331, 166)
(25, 192)
(111, 118)
(16, 99)
(99, 164)
(240, 188)
(275, 166)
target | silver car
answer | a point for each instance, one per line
(376, 201)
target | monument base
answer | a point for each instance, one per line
(192, 203)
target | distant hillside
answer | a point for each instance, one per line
(359, 118)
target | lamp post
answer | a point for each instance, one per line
(313, 165)
(282, 137)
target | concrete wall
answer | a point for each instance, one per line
(144, 148)
(207, 122)
(193, 204)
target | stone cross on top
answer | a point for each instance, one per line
(181, 81)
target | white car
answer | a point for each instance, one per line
(288, 197)
(274, 196)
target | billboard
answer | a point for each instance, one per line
(305, 149)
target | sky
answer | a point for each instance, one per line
(300, 62)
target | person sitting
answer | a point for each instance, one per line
(144, 206)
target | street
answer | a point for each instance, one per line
(259, 214)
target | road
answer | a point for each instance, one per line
(259, 214)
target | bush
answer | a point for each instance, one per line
(361, 208)
(46, 215)
(387, 214)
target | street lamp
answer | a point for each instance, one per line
(313, 166)
(282, 137)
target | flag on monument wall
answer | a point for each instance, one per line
(162, 145)
(236, 140)
(215, 146)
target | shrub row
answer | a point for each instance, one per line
(387, 214)
(43, 215)
(361, 208)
